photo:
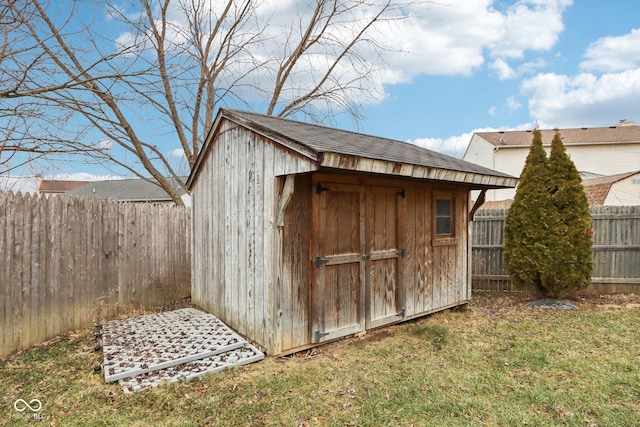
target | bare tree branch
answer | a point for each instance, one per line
(157, 79)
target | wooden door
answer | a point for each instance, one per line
(384, 297)
(337, 294)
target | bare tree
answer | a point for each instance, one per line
(70, 84)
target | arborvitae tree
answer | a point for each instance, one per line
(570, 201)
(533, 230)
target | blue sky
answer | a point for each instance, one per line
(477, 65)
(565, 81)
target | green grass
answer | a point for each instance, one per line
(498, 364)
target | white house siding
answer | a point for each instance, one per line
(234, 208)
(480, 152)
(603, 159)
(625, 192)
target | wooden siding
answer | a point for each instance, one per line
(293, 300)
(433, 276)
(66, 261)
(616, 248)
(235, 207)
(256, 232)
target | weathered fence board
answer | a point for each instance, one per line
(65, 261)
(616, 249)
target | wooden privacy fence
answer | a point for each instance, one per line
(65, 261)
(616, 249)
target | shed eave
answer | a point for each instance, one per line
(385, 167)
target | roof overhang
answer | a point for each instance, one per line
(347, 162)
(364, 164)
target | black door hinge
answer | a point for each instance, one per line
(320, 188)
(401, 252)
(401, 314)
(402, 193)
(318, 261)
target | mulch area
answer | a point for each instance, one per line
(491, 301)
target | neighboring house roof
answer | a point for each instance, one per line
(497, 204)
(577, 136)
(335, 148)
(597, 189)
(589, 175)
(132, 190)
(53, 186)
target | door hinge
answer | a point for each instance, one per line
(320, 188)
(402, 193)
(320, 335)
(401, 314)
(320, 261)
(366, 257)
(401, 252)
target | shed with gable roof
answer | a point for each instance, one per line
(303, 234)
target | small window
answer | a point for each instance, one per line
(444, 224)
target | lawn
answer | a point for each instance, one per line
(500, 363)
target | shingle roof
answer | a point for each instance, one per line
(59, 186)
(127, 190)
(596, 135)
(317, 140)
(597, 189)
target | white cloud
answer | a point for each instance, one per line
(452, 38)
(505, 72)
(585, 99)
(82, 176)
(105, 144)
(529, 25)
(492, 111)
(453, 146)
(512, 104)
(457, 145)
(27, 184)
(178, 152)
(15, 184)
(612, 54)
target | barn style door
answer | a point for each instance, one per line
(355, 259)
(337, 300)
(383, 254)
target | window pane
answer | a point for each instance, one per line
(443, 207)
(444, 217)
(443, 225)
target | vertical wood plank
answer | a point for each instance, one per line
(266, 295)
(17, 279)
(9, 301)
(5, 331)
(36, 268)
(409, 270)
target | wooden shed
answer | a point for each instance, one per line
(303, 234)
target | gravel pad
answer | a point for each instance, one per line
(159, 341)
(194, 369)
(551, 303)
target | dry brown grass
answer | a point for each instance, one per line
(500, 363)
